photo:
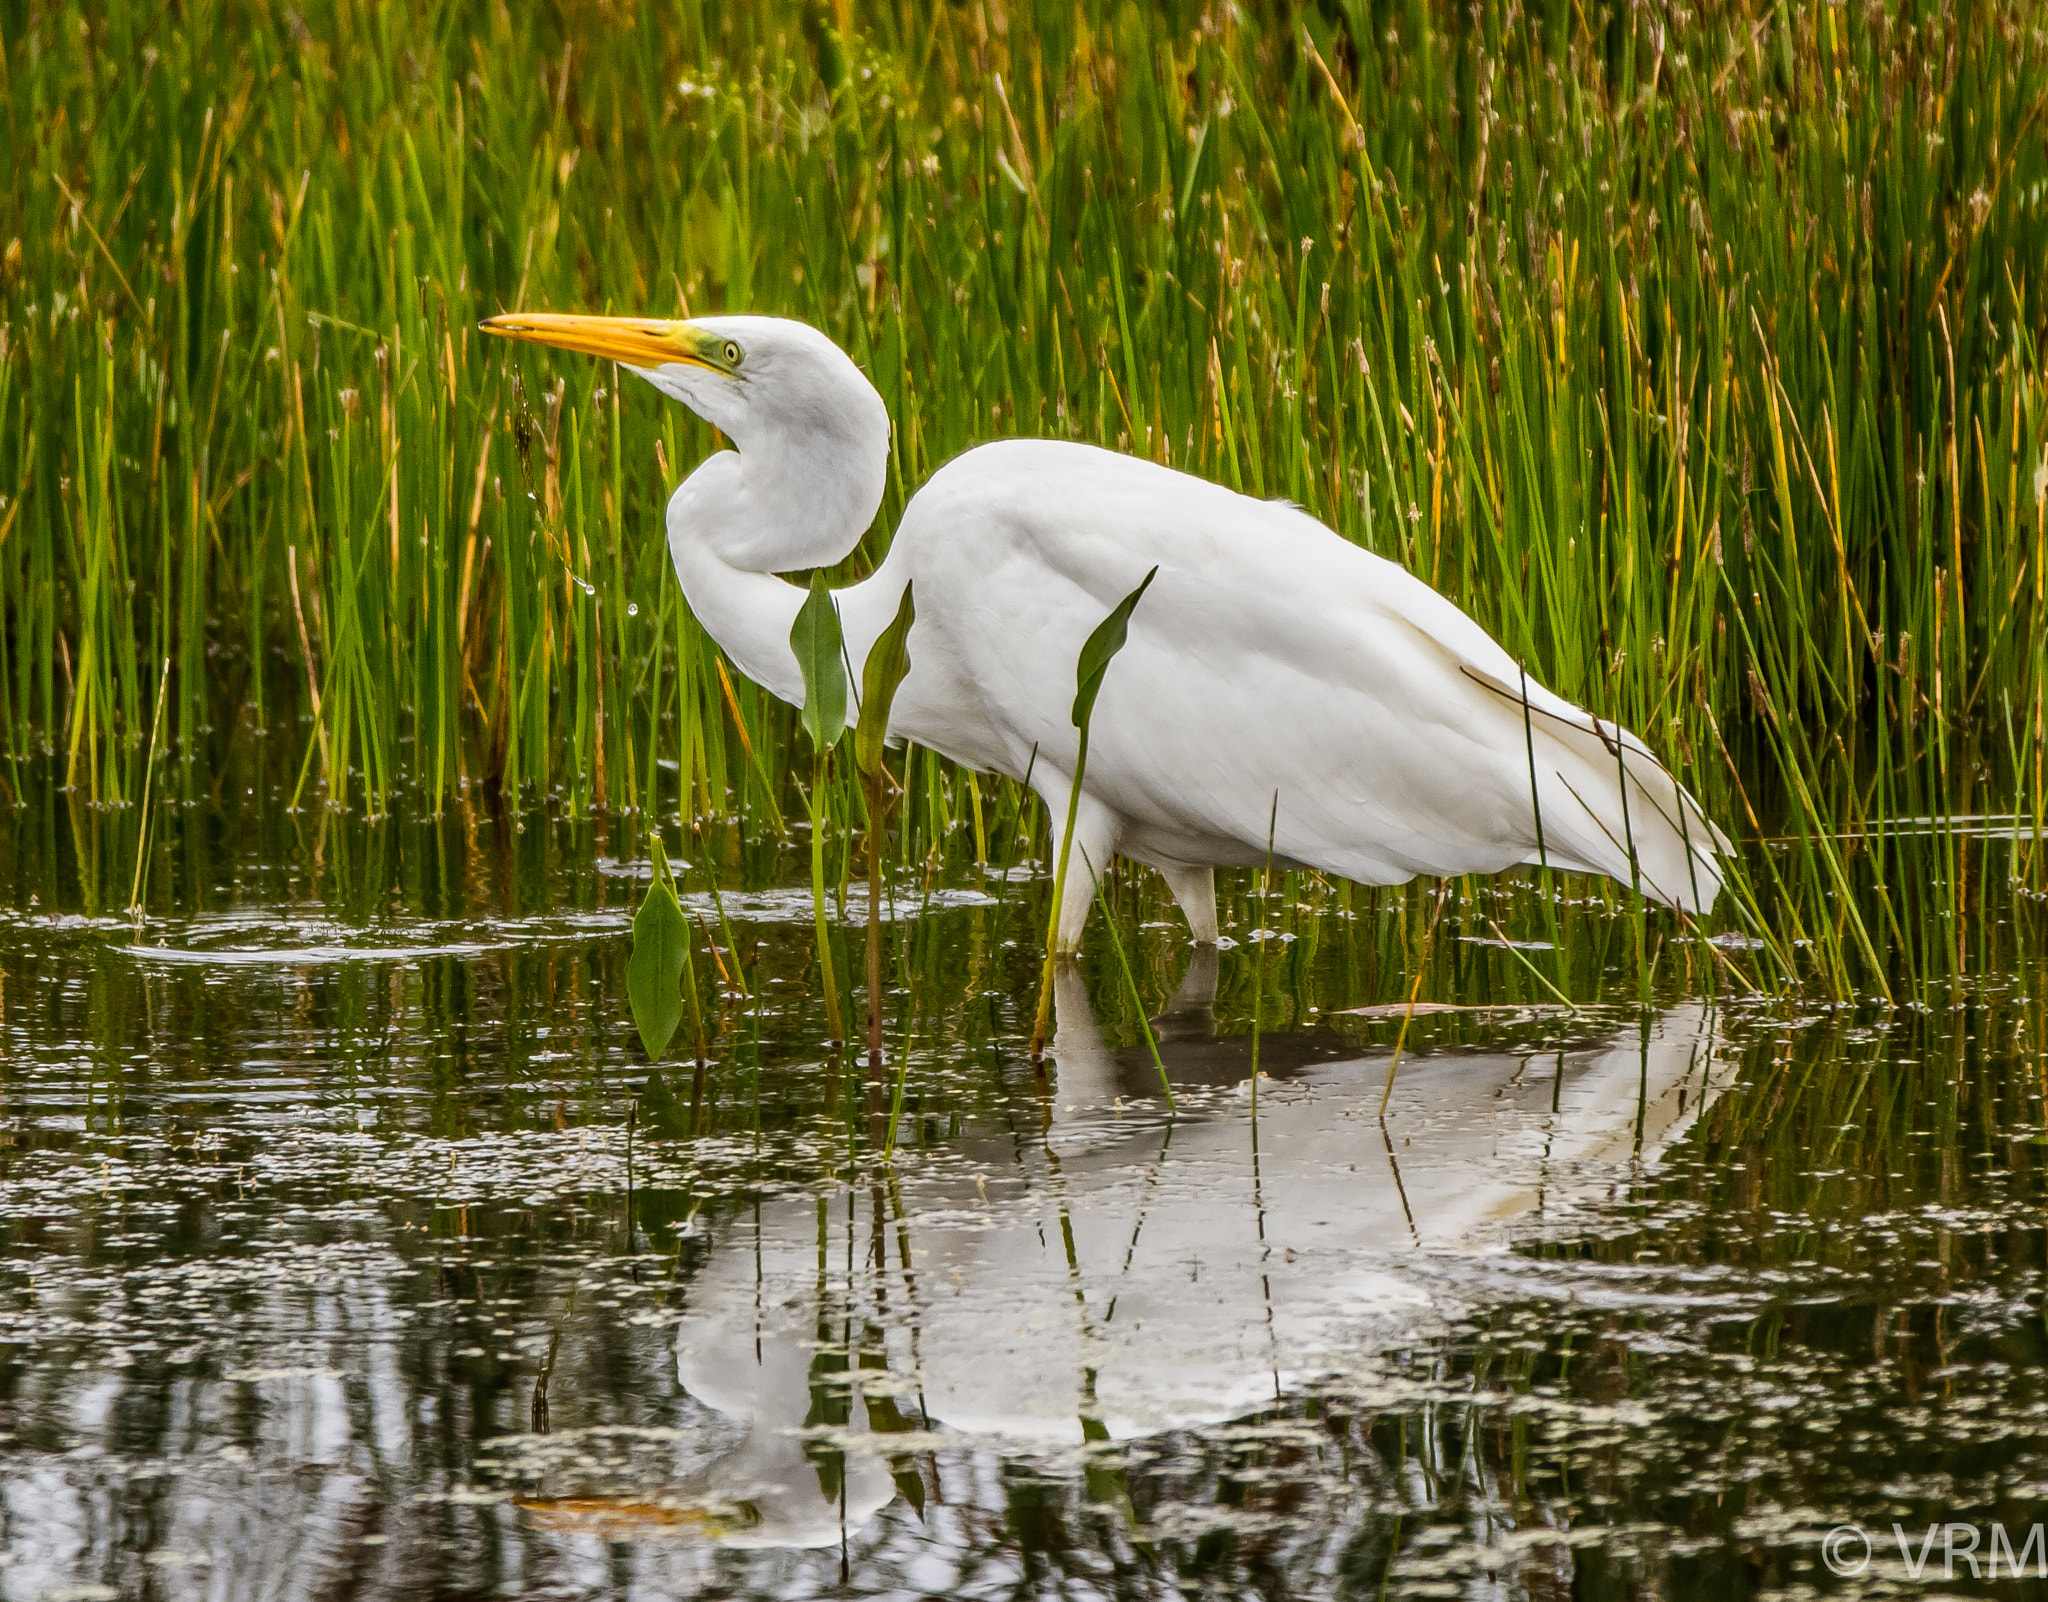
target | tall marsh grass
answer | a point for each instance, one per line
(1697, 350)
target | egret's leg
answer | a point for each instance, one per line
(1195, 890)
(1095, 834)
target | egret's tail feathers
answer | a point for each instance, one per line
(1605, 804)
(1658, 840)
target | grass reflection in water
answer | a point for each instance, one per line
(330, 1255)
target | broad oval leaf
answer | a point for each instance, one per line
(661, 945)
(814, 637)
(1102, 645)
(888, 661)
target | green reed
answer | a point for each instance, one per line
(1697, 353)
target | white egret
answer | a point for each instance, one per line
(1276, 674)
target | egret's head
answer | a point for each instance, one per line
(812, 433)
(755, 378)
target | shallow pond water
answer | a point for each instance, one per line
(351, 1249)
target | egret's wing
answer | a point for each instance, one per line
(1273, 658)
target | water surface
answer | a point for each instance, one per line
(352, 1250)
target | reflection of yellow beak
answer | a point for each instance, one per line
(636, 341)
(616, 1518)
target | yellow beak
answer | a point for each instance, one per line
(636, 341)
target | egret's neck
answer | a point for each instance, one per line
(734, 517)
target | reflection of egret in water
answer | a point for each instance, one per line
(800, 1475)
(322, 1398)
(1103, 1273)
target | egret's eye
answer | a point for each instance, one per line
(733, 354)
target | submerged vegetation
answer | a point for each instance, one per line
(1697, 351)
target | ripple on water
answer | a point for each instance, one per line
(1551, 1322)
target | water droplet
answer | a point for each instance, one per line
(632, 609)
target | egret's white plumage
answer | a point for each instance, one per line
(1276, 675)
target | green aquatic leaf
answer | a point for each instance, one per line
(1101, 646)
(654, 973)
(814, 637)
(888, 661)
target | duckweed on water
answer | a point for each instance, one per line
(356, 1265)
